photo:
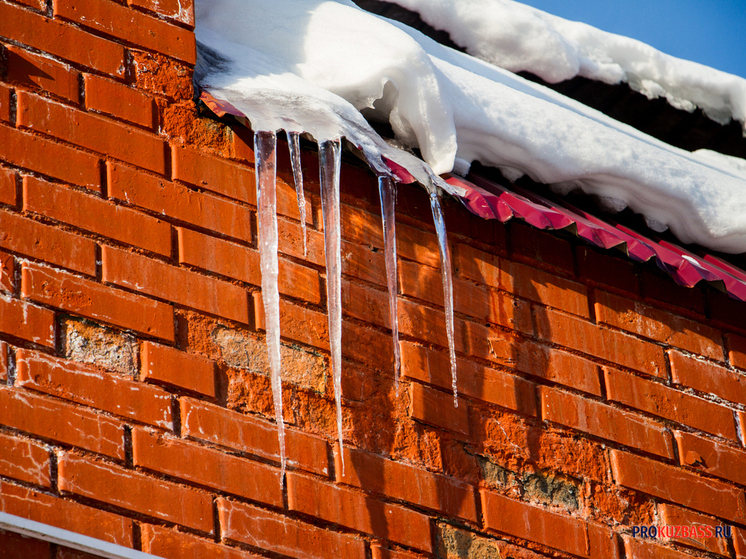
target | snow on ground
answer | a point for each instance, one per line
(319, 66)
(519, 37)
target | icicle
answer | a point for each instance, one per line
(294, 145)
(387, 193)
(447, 275)
(330, 155)
(265, 144)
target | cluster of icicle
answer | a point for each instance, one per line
(265, 147)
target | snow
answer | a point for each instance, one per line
(519, 37)
(318, 66)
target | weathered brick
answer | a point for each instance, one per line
(37, 71)
(213, 174)
(299, 323)
(357, 511)
(535, 524)
(605, 422)
(290, 242)
(600, 268)
(273, 532)
(135, 491)
(479, 266)
(89, 386)
(175, 284)
(474, 380)
(372, 348)
(207, 467)
(16, 546)
(7, 273)
(646, 550)
(401, 481)
(63, 40)
(379, 552)
(658, 325)
(3, 362)
(208, 422)
(4, 103)
(428, 324)
(68, 515)
(707, 377)
(736, 350)
(7, 184)
(359, 261)
(537, 360)
(180, 10)
(115, 99)
(26, 321)
(170, 544)
(50, 158)
(130, 26)
(94, 132)
(671, 515)
(542, 287)
(25, 460)
(529, 243)
(669, 403)
(178, 202)
(621, 349)
(51, 419)
(84, 341)
(92, 300)
(241, 263)
(437, 408)
(411, 243)
(712, 457)
(739, 542)
(664, 481)
(93, 214)
(163, 364)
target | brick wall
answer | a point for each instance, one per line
(135, 406)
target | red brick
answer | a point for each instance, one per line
(646, 550)
(372, 347)
(241, 263)
(364, 228)
(273, 532)
(474, 381)
(428, 324)
(163, 364)
(36, 71)
(58, 421)
(68, 515)
(707, 377)
(620, 349)
(359, 512)
(3, 362)
(207, 467)
(213, 174)
(666, 482)
(397, 480)
(7, 273)
(60, 39)
(171, 544)
(736, 350)
(92, 300)
(659, 287)
(602, 542)
(207, 422)
(535, 524)
(658, 325)
(95, 215)
(528, 243)
(672, 515)
(24, 459)
(27, 322)
(94, 388)
(378, 552)
(40, 5)
(174, 201)
(479, 266)
(361, 262)
(411, 243)
(180, 10)
(135, 491)
(726, 312)
(131, 26)
(537, 360)
(50, 158)
(16, 546)
(4, 103)
(600, 268)
(93, 132)
(291, 243)
(181, 286)
(739, 542)
(437, 408)
(7, 186)
(548, 289)
(660, 400)
(364, 303)
(712, 457)
(605, 422)
(115, 99)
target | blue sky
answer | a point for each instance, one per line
(711, 32)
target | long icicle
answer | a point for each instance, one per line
(294, 146)
(265, 144)
(447, 275)
(387, 193)
(330, 155)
